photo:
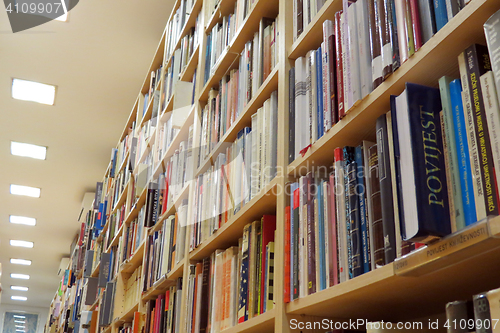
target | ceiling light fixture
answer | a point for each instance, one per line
(22, 220)
(28, 150)
(19, 298)
(33, 91)
(20, 276)
(20, 321)
(18, 316)
(20, 288)
(25, 190)
(21, 243)
(20, 261)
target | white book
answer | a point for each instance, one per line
(255, 169)
(295, 17)
(313, 108)
(477, 182)
(328, 30)
(364, 47)
(306, 10)
(492, 118)
(247, 175)
(301, 128)
(402, 31)
(273, 136)
(341, 221)
(345, 61)
(255, 63)
(353, 69)
(266, 153)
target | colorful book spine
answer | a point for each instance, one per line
(361, 192)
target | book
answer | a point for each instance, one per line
(426, 211)
(459, 311)
(491, 28)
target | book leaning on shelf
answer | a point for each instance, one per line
(223, 189)
(233, 285)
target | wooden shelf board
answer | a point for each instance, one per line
(130, 120)
(149, 145)
(312, 36)
(182, 135)
(116, 238)
(155, 63)
(128, 315)
(244, 119)
(160, 286)
(439, 53)
(260, 324)
(135, 260)
(187, 73)
(225, 62)
(95, 272)
(123, 163)
(121, 198)
(229, 233)
(456, 276)
(190, 23)
(224, 8)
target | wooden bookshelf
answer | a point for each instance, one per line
(412, 287)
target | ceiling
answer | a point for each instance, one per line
(98, 60)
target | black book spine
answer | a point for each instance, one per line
(204, 295)
(482, 314)
(291, 115)
(354, 217)
(386, 190)
(478, 63)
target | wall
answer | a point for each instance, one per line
(42, 314)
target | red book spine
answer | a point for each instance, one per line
(287, 255)
(340, 69)
(415, 18)
(332, 236)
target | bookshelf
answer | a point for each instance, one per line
(412, 287)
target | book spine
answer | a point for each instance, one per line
(399, 6)
(376, 205)
(332, 234)
(393, 24)
(492, 119)
(463, 156)
(427, 20)
(478, 63)
(291, 115)
(354, 231)
(457, 215)
(440, 13)
(491, 29)
(482, 313)
(286, 296)
(332, 79)
(375, 44)
(353, 64)
(339, 65)
(341, 215)
(382, 10)
(311, 239)
(386, 194)
(361, 193)
(409, 28)
(296, 240)
(415, 20)
(477, 182)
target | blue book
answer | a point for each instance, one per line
(114, 152)
(440, 13)
(321, 235)
(319, 92)
(365, 242)
(422, 170)
(207, 59)
(462, 147)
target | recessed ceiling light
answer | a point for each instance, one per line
(20, 326)
(28, 150)
(21, 243)
(22, 220)
(33, 91)
(20, 288)
(20, 261)
(19, 298)
(20, 330)
(25, 190)
(19, 321)
(19, 276)
(18, 316)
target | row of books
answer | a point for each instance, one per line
(478, 314)
(258, 58)
(166, 247)
(176, 25)
(172, 77)
(239, 174)
(233, 285)
(168, 132)
(132, 288)
(135, 326)
(163, 314)
(303, 13)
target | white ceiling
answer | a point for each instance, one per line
(98, 60)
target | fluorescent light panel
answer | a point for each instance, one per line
(20, 326)
(20, 321)
(18, 316)
(22, 220)
(19, 276)
(28, 150)
(19, 298)
(20, 261)
(21, 243)
(25, 190)
(20, 288)
(33, 91)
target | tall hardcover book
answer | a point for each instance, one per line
(386, 195)
(492, 32)
(482, 313)
(478, 63)
(353, 218)
(426, 210)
